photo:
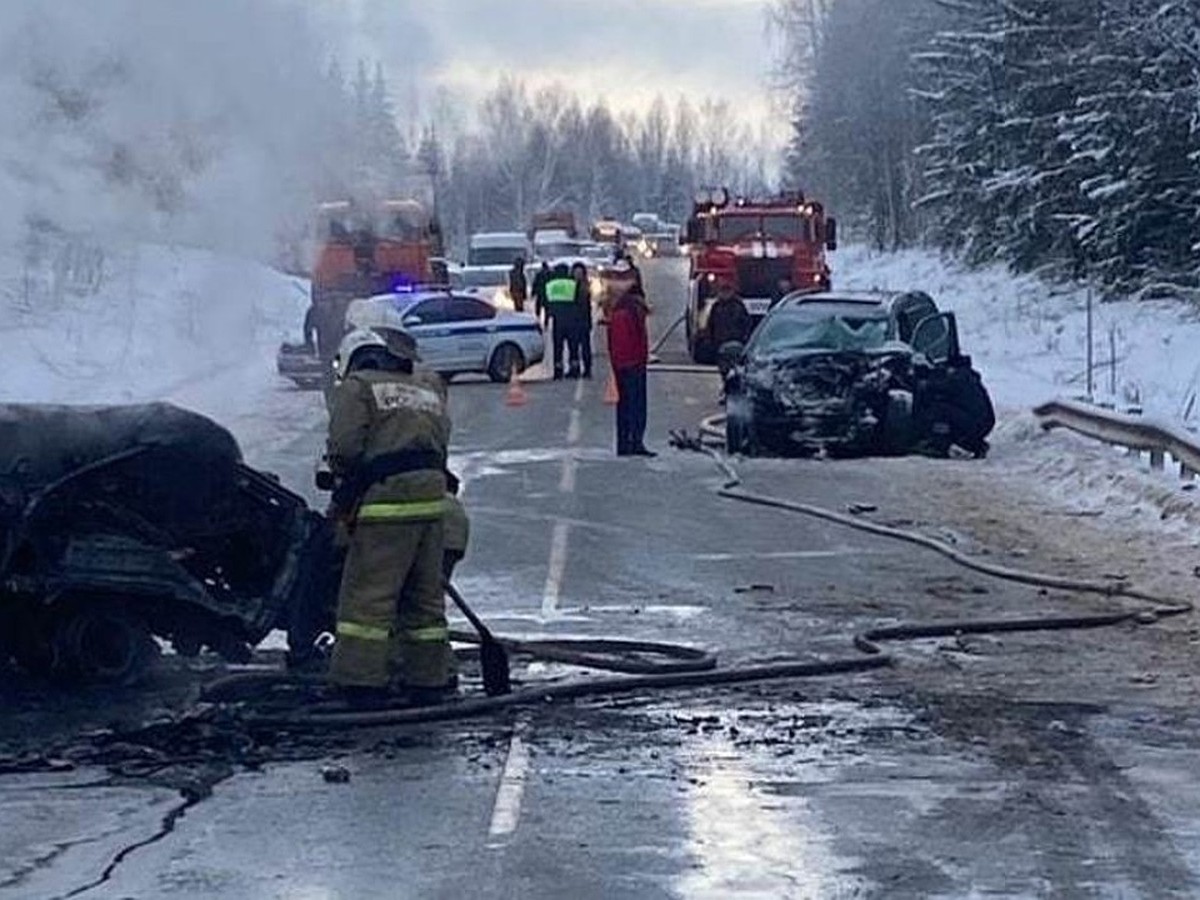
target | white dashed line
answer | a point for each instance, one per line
(575, 428)
(566, 484)
(558, 565)
(506, 812)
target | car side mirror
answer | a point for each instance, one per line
(324, 480)
(831, 234)
(694, 233)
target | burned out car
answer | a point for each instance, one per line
(844, 374)
(121, 524)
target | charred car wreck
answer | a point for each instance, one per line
(121, 524)
(854, 375)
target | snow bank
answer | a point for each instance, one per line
(86, 324)
(1028, 338)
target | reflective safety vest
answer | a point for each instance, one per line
(561, 290)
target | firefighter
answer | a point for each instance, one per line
(563, 311)
(539, 291)
(728, 320)
(583, 313)
(457, 528)
(518, 287)
(629, 350)
(388, 438)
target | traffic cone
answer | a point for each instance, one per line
(515, 395)
(611, 395)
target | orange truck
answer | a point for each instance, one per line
(363, 250)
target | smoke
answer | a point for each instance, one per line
(200, 123)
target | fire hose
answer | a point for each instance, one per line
(695, 669)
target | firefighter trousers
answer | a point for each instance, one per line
(391, 610)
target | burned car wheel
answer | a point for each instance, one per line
(104, 643)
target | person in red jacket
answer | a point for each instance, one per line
(629, 351)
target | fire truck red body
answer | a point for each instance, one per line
(766, 248)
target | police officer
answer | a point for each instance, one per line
(540, 280)
(388, 437)
(561, 291)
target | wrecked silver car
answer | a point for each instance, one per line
(854, 375)
(121, 524)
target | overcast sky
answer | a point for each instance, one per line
(625, 51)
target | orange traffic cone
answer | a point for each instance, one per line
(515, 395)
(611, 395)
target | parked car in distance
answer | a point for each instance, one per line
(844, 374)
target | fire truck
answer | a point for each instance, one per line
(765, 247)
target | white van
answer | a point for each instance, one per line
(497, 248)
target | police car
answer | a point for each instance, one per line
(456, 332)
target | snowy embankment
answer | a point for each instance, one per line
(1029, 341)
(84, 324)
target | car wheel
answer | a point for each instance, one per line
(104, 643)
(507, 360)
(897, 432)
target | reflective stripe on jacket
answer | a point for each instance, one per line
(418, 510)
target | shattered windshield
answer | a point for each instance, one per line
(829, 332)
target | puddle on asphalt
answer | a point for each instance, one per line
(753, 831)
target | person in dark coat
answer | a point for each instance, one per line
(540, 280)
(518, 288)
(728, 319)
(629, 351)
(583, 321)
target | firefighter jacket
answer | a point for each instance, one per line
(377, 413)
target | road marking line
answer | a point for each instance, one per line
(566, 484)
(556, 569)
(506, 811)
(575, 428)
(782, 554)
(579, 391)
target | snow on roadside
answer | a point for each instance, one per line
(151, 323)
(1028, 338)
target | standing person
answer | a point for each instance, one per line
(388, 437)
(728, 319)
(629, 350)
(540, 280)
(583, 303)
(564, 317)
(638, 284)
(518, 288)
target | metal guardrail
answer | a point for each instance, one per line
(1137, 434)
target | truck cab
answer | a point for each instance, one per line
(767, 247)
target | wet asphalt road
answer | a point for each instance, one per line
(879, 785)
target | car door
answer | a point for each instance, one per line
(429, 322)
(475, 332)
